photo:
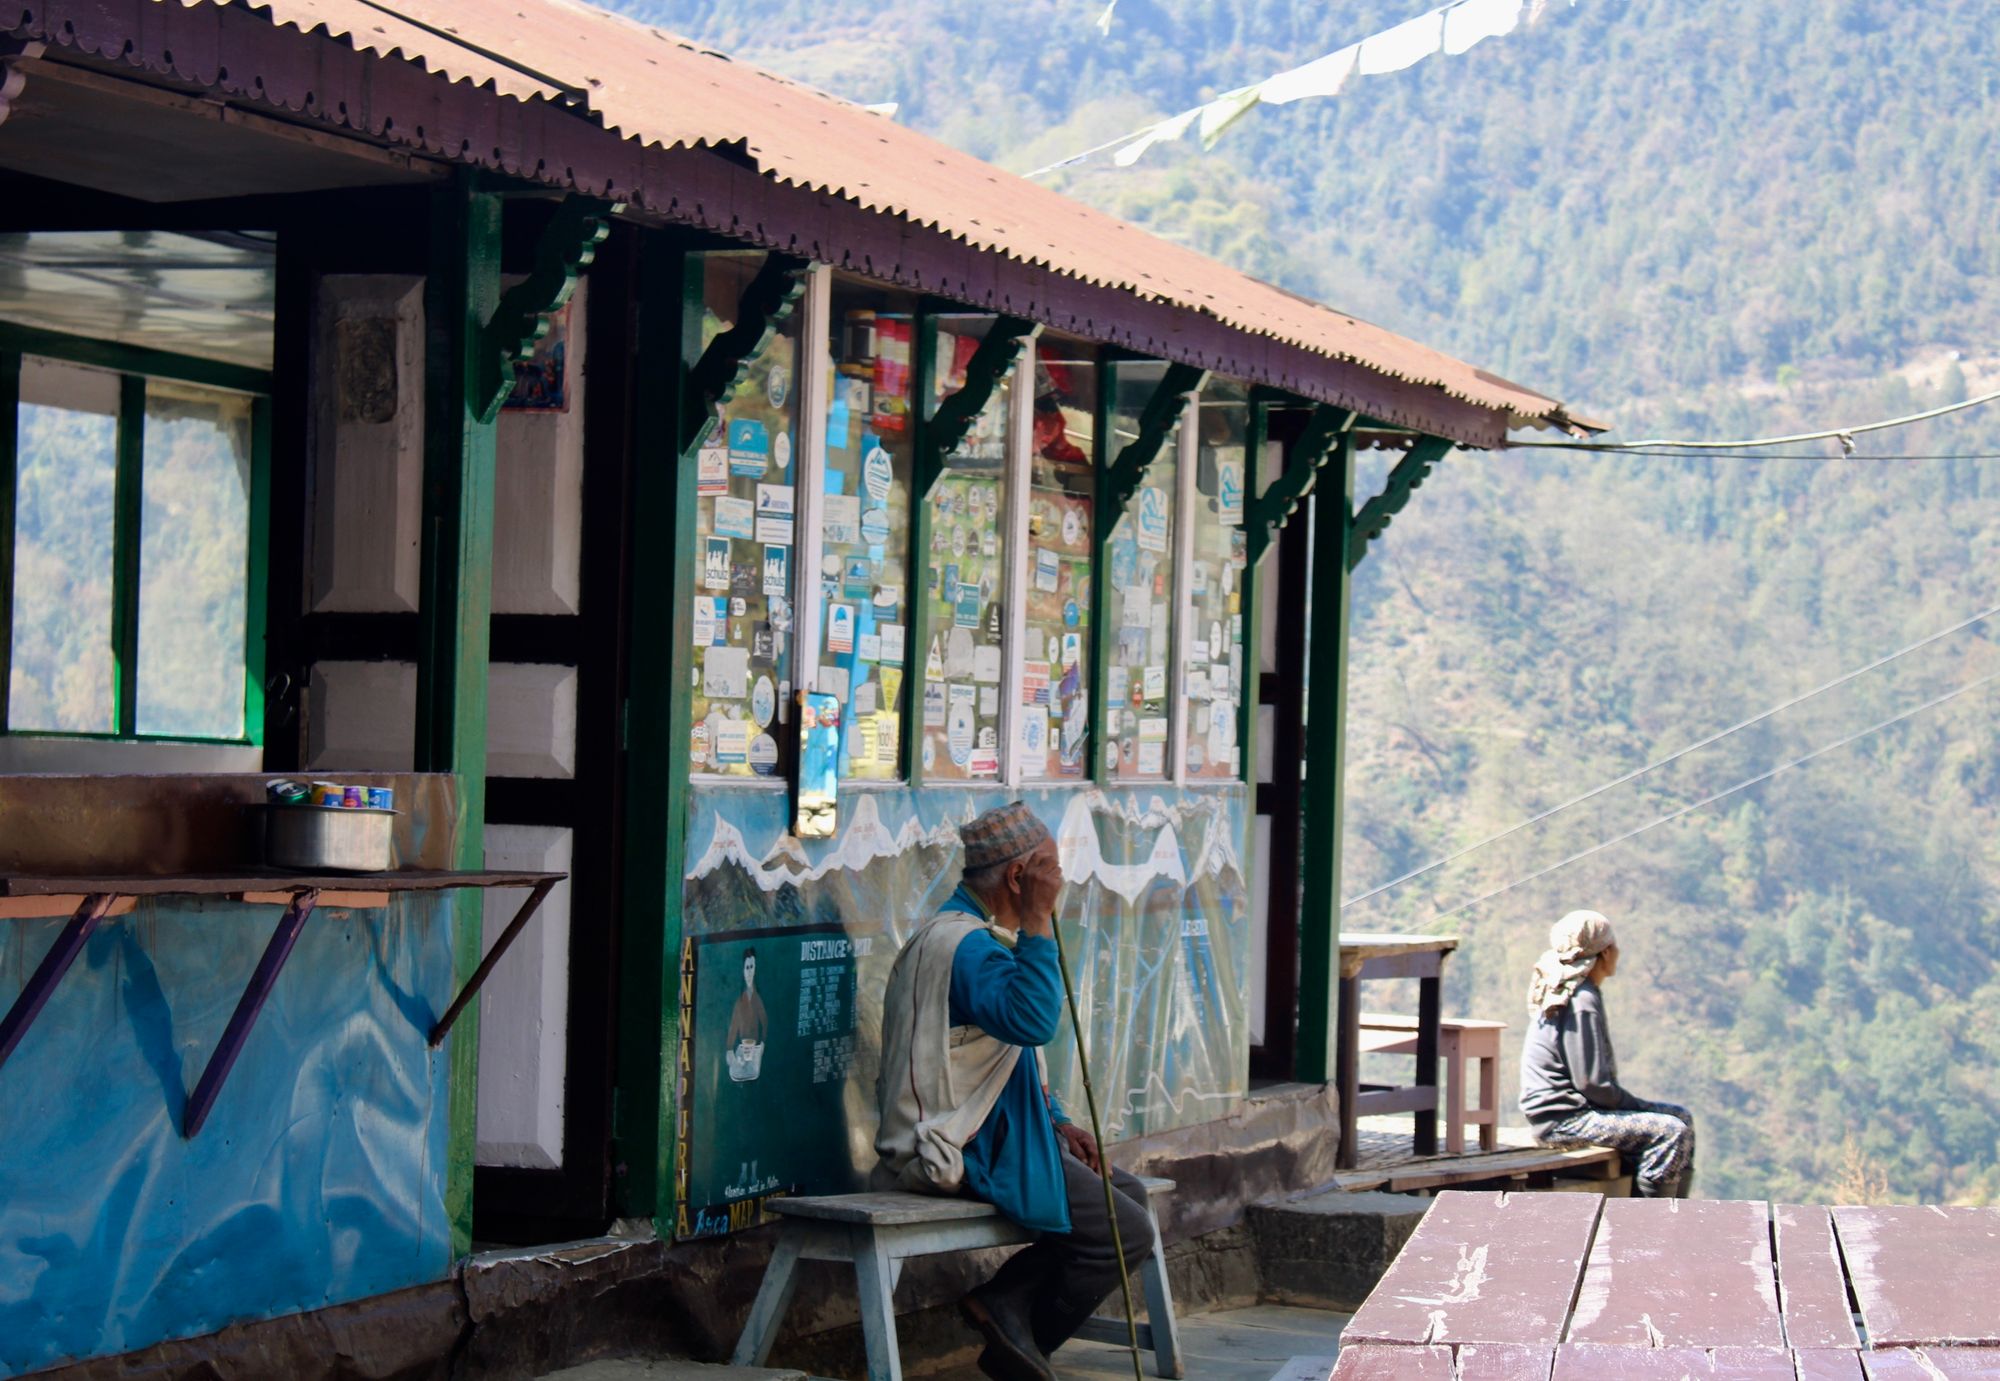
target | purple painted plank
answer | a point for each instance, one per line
(1827, 1364)
(41, 984)
(247, 1009)
(1504, 1362)
(1483, 1268)
(1934, 1364)
(1673, 1273)
(1751, 1364)
(1391, 1362)
(1598, 1361)
(1924, 1275)
(1812, 1286)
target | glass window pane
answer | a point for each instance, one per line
(1055, 685)
(194, 551)
(1213, 643)
(865, 525)
(63, 677)
(1138, 702)
(744, 548)
(966, 578)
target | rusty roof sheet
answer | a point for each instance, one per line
(658, 89)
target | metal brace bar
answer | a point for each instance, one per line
(1272, 509)
(767, 300)
(989, 364)
(248, 1007)
(479, 975)
(565, 248)
(1162, 411)
(1404, 480)
(42, 983)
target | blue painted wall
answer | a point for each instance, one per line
(320, 1176)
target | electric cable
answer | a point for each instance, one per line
(1782, 455)
(1716, 737)
(1844, 435)
(1103, 1153)
(1726, 791)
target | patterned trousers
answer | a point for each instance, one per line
(1656, 1141)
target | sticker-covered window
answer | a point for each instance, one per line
(865, 526)
(965, 576)
(745, 548)
(1138, 700)
(1212, 645)
(1054, 726)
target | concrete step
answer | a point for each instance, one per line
(1327, 1251)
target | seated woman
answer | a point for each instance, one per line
(1569, 1076)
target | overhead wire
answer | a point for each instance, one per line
(1844, 435)
(1676, 756)
(1706, 801)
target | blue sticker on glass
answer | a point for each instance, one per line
(749, 447)
(875, 526)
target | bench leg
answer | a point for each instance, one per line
(876, 1275)
(774, 1296)
(1454, 1094)
(1160, 1306)
(1489, 1102)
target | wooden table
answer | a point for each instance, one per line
(88, 900)
(1559, 1286)
(1364, 956)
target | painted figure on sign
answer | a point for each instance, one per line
(744, 1052)
(1569, 1076)
(975, 1117)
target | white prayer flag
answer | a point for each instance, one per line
(1475, 20)
(1224, 111)
(1406, 45)
(1320, 77)
(1163, 133)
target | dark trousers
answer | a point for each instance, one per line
(1066, 1275)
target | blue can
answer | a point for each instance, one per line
(381, 798)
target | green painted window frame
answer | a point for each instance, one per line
(135, 365)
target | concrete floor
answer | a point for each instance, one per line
(1261, 1343)
(1266, 1343)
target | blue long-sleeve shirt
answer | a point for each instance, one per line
(1014, 995)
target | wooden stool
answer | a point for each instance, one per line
(876, 1233)
(1459, 1039)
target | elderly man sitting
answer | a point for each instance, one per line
(965, 1107)
(1569, 1074)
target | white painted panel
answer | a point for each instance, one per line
(362, 716)
(58, 384)
(368, 445)
(1260, 923)
(538, 494)
(1267, 607)
(29, 753)
(524, 1008)
(530, 720)
(1267, 730)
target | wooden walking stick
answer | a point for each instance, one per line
(1103, 1158)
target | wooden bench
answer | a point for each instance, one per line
(1459, 1039)
(876, 1233)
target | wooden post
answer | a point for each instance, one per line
(10, 408)
(658, 716)
(128, 504)
(1326, 762)
(460, 293)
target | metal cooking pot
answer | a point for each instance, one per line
(337, 838)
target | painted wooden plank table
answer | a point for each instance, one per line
(1575, 1287)
(1364, 956)
(1924, 1275)
(1483, 1268)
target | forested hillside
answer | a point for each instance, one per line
(1692, 219)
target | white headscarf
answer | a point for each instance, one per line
(1575, 941)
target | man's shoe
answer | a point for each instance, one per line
(1011, 1354)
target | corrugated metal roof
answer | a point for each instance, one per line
(657, 89)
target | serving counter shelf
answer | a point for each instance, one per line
(89, 900)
